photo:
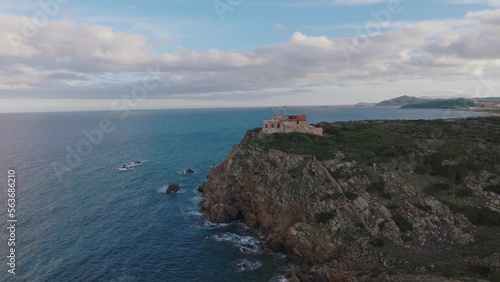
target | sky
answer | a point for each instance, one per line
(66, 55)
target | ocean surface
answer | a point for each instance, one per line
(97, 223)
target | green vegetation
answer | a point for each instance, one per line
(483, 270)
(464, 192)
(324, 217)
(272, 162)
(421, 169)
(377, 242)
(451, 148)
(337, 174)
(256, 130)
(493, 188)
(403, 224)
(329, 197)
(450, 163)
(392, 206)
(296, 187)
(351, 195)
(425, 208)
(477, 215)
(436, 189)
(376, 186)
(298, 171)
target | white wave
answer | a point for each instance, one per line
(278, 278)
(185, 171)
(130, 165)
(246, 244)
(192, 212)
(279, 255)
(210, 225)
(195, 212)
(195, 200)
(245, 265)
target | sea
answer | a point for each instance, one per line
(80, 218)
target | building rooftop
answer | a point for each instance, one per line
(298, 118)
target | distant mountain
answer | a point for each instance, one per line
(443, 104)
(402, 101)
(485, 104)
(363, 104)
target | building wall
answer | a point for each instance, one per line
(280, 125)
(309, 129)
(272, 126)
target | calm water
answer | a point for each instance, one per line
(97, 223)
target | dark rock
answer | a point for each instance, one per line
(232, 212)
(200, 189)
(173, 188)
(137, 162)
(188, 171)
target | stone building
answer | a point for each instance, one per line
(288, 124)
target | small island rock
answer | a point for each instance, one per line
(173, 188)
(188, 171)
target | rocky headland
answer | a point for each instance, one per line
(370, 200)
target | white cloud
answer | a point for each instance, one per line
(67, 59)
(493, 3)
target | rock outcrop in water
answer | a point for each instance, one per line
(370, 201)
(188, 171)
(173, 188)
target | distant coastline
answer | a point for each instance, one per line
(487, 105)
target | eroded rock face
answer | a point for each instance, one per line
(333, 227)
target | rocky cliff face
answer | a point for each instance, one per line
(342, 219)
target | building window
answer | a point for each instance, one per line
(278, 125)
(266, 125)
(272, 125)
(297, 122)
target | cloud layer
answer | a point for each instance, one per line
(64, 59)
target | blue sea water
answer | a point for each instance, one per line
(96, 223)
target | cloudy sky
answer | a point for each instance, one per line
(80, 55)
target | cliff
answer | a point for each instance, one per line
(370, 201)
